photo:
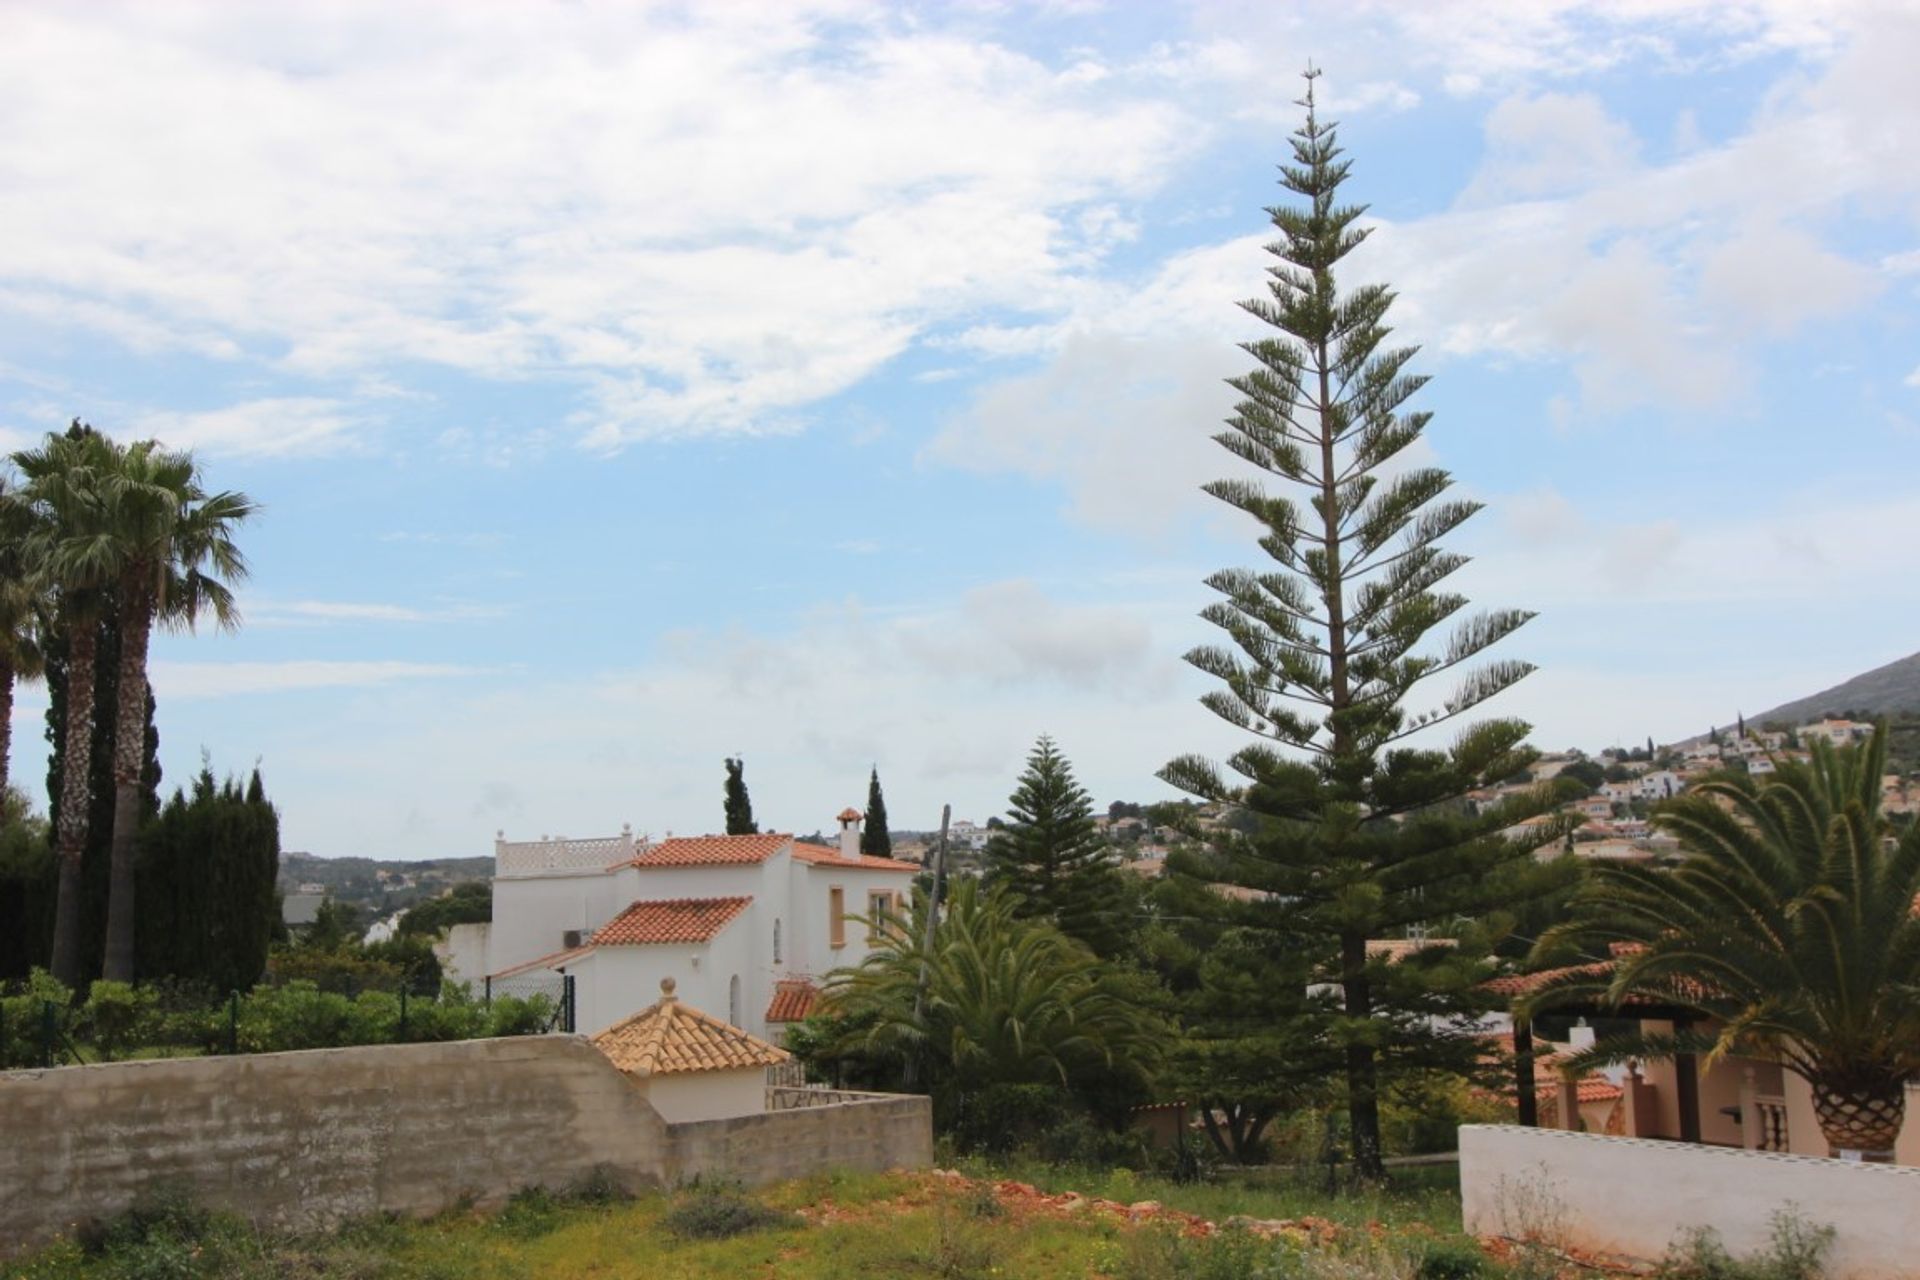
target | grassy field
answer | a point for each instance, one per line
(829, 1227)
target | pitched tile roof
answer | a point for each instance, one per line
(553, 961)
(793, 999)
(711, 851)
(670, 1038)
(660, 920)
(815, 856)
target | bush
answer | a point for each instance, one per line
(1797, 1251)
(1452, 1260)
(118, 1016)
(997, 1118)
(719, 1213)
(22, 1015)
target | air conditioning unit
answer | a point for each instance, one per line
(572, 938)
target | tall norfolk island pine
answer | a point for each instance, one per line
(1353, 836)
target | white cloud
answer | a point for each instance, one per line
(1548, 145)
(187, 680)
(1772, 279)
(329, 611)
(706, 217)
(945, 697)
(284, 427)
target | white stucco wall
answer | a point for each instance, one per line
(708, 1095)
(814, 953)
(1636, 1196)
(532, 914)
(463, 954)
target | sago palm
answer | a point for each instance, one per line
(173, 558)
(1788, 927)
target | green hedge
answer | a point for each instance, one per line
(121, 1021)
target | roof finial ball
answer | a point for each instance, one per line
(666, 988)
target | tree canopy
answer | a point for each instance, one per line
(1054, 860)
(1353, 834)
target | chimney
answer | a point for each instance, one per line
(850, 833)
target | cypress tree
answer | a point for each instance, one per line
(1053, 856)
(875, 840)
(739, 807)
(1342, 834)
(207, 871)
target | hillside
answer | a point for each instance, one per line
(379, 887)
(1888, 690)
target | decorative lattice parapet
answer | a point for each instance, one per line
(550, 854)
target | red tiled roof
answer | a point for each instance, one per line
(553, 961)
(711, 851)
(793, 1000)
(1592, 1087)
(669, 1038)
(815, 856)
(669, 920)
(1598, 1089)
(850, 814)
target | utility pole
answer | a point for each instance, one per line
(911, 1075)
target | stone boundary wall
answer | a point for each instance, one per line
(305, 1140)
(1635, 1196)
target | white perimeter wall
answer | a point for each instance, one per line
(1636, 1196)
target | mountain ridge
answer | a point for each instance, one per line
(1885, 690)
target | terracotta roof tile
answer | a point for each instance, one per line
(850, 814)
(711, 851)
(670, 1038)
(553, 961)
(793, 999)
(662, 920)
(815, 856)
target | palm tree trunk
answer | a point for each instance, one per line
(6, 722)
(75, 797)
(1861, 1120)
(129, 763)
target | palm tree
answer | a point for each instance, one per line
(69, 552)
(1790, 924)
(173, 560)
(20, 608)
(989, 998)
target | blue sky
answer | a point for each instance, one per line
(631, 385)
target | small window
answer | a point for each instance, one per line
(837, 916)
(733, 1000)
(776, 941)
(879, 906)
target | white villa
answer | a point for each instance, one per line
(742, 924)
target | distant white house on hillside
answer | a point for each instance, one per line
(742, 924)
(1839, 732)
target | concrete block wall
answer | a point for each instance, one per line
(1636, 1196)
(308, 1139)
(881, 1131)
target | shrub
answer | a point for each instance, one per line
(1797, 1251)
(1452, 1260)
(719, 1213)
(118, 1016)
(999, 1117)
